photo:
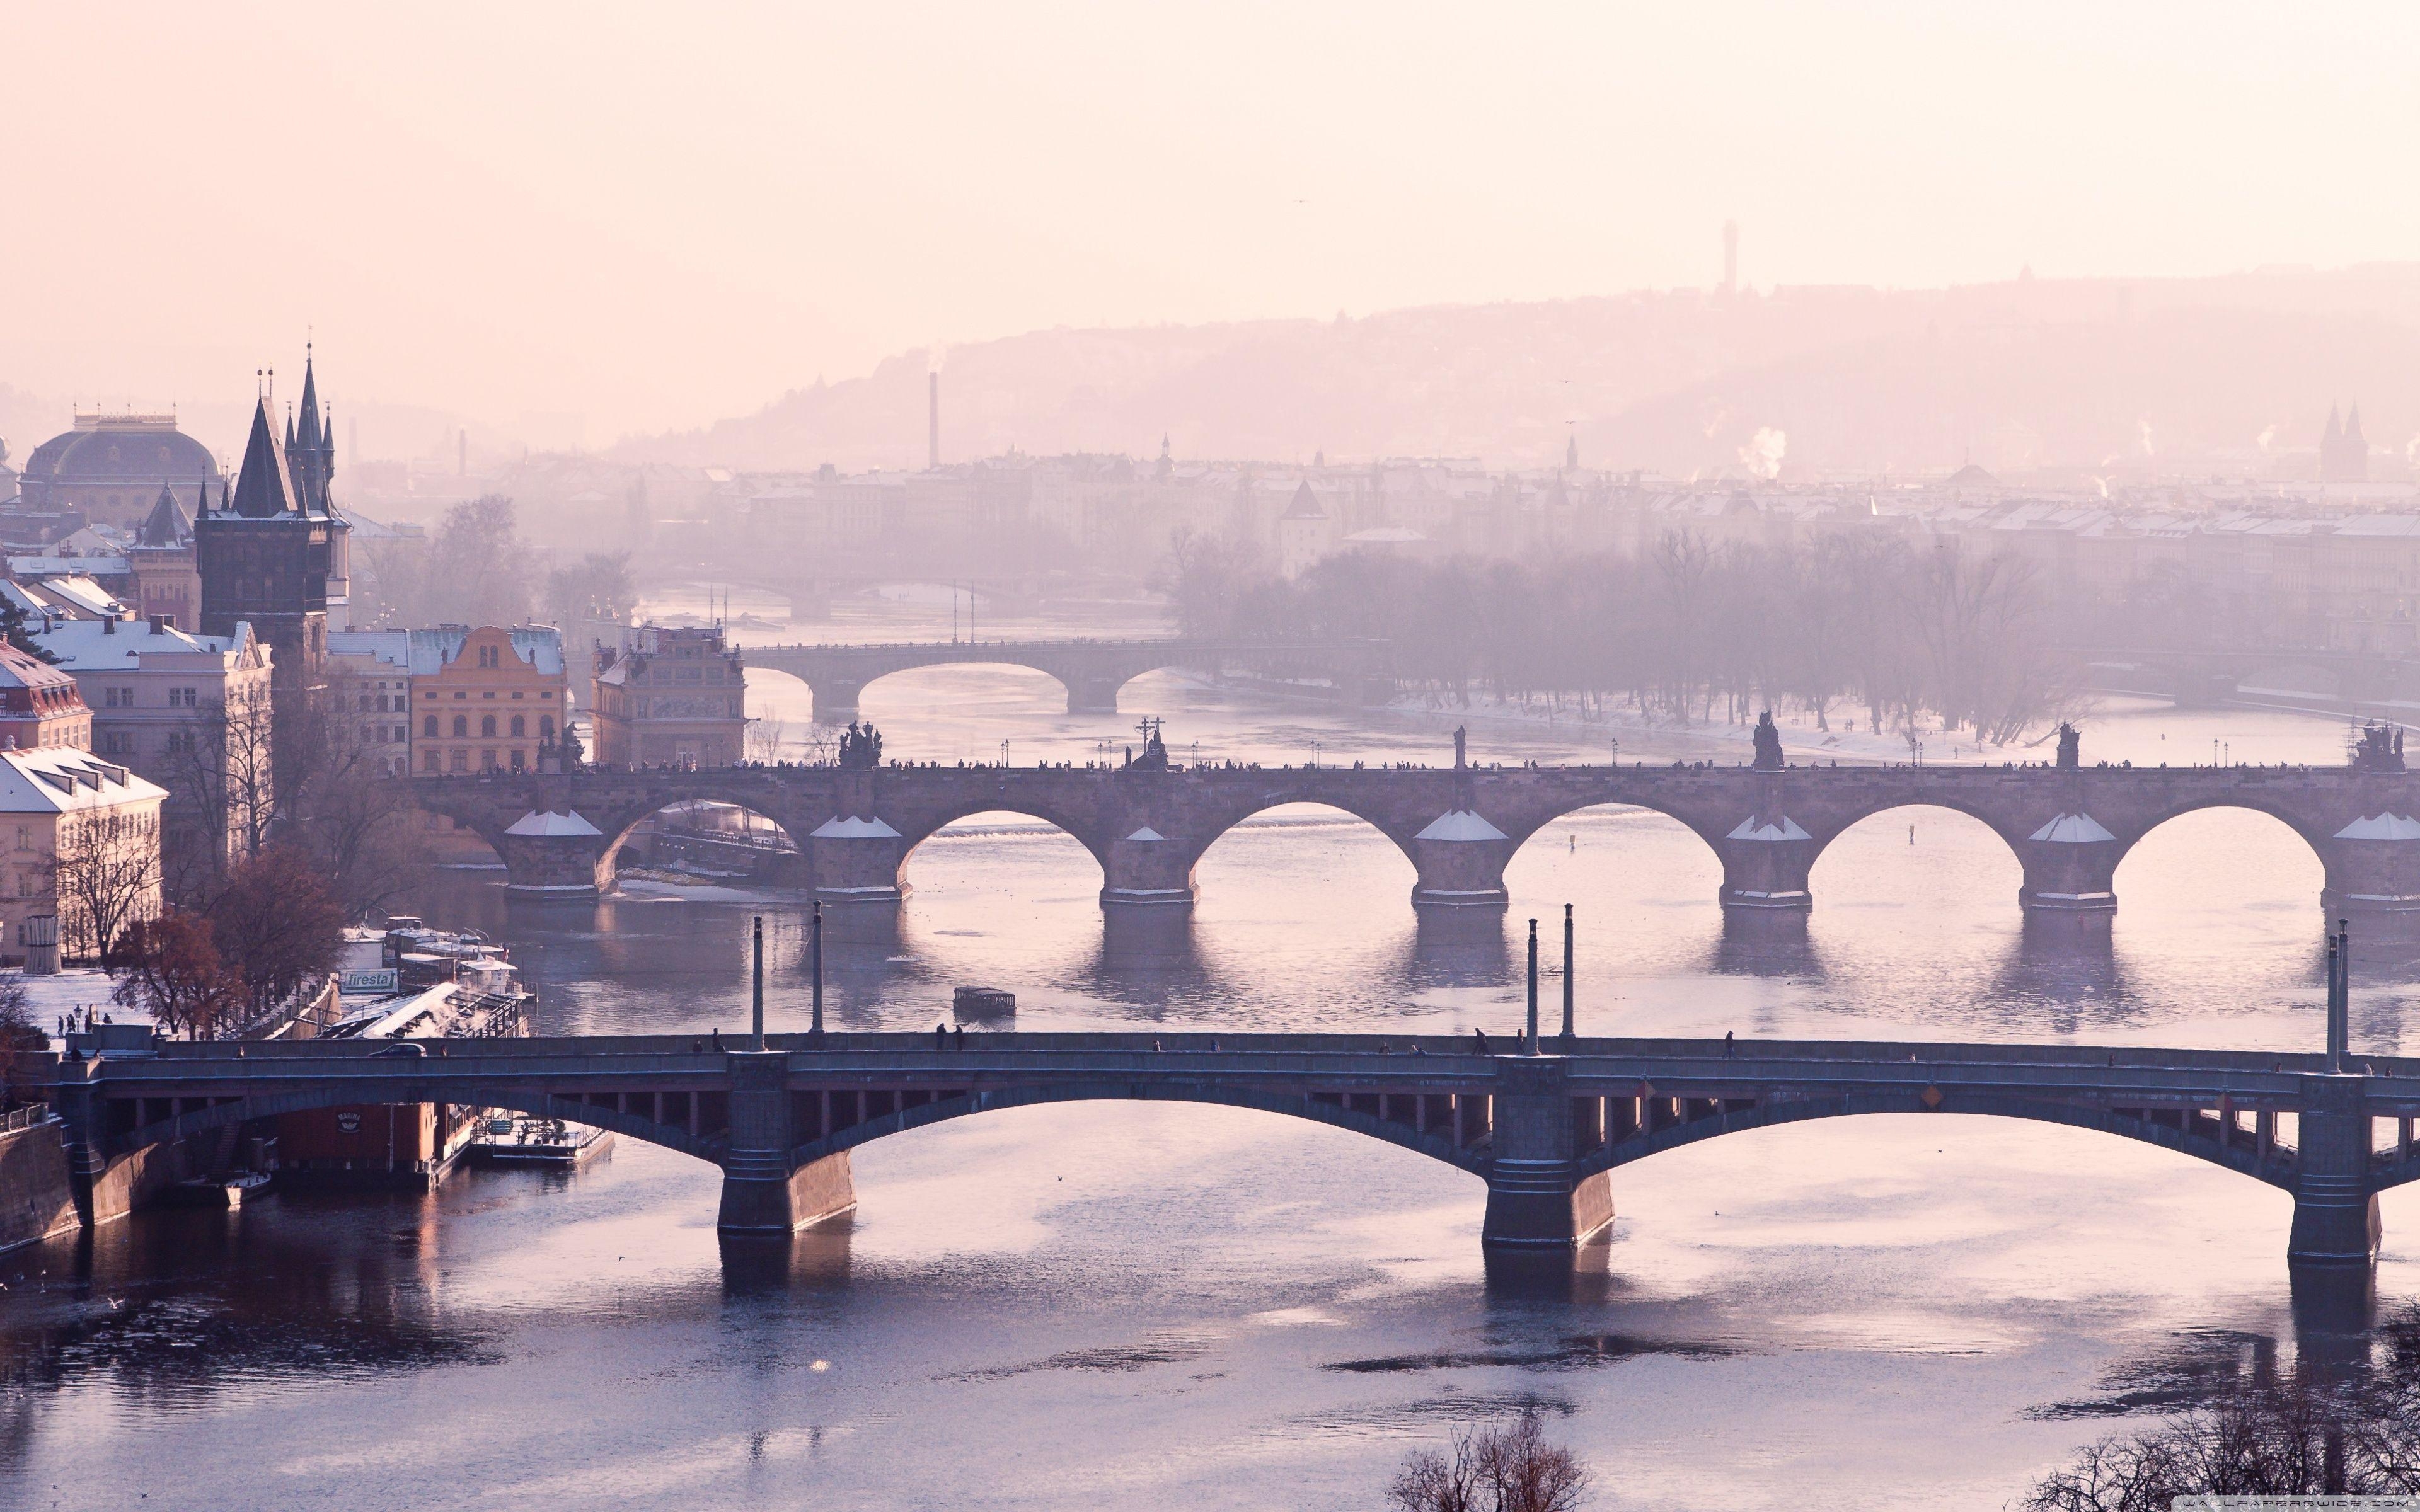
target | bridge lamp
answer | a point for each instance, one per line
(1533, 987)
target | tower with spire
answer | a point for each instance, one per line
(270, 552)
(2344, 451)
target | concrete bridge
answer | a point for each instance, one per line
(1091, 670)
(2069, 828)
(1543, 1132)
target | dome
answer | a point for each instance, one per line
(125, 449)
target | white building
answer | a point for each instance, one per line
(79, 843)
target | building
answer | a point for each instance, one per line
(490, 699)
(273, 552)
(39, 705)
(79, 844)
(2344, 451)
(369, 697)
(167, 583)
(670, 698)
(192, 713)
(110, 468)
(1305, 533)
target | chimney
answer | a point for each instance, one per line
(109, 625)
(933, 420)
(158, 621)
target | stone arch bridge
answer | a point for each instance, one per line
(2069, 828)
(1092, 672)
(1543, 1132)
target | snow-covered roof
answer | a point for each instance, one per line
(553, 824)
(425, 652)
(106, 645)
(63, 780)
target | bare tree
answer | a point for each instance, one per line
(767, 739)
(276, 923)
(1502, 1467)
(104, 871)
(221, 772)
(171, 968)
(19, 1035)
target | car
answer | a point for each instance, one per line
(407, 1049)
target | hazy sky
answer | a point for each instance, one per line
(651, 215)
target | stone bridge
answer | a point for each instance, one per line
(1543, 1132)
(1092, 672)
(2069, 828)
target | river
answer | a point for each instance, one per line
(1149, 1305)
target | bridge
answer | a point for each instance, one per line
(1092, 672)
(2068, 827)
(2210, 675)
(1543, 1132)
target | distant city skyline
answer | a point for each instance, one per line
(605, 220)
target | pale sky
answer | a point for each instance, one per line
(653, 215)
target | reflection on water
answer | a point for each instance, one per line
(1146, 1304)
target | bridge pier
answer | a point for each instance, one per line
(1096, 694)
(762, 1192)
(1148, 870)
(2070, 866)
(1767, 856)
(856, 860)
(557, 855)
(1534, 1201)
(1460, 858)
(2335, 1213)
(2373, 867)
(831, 701)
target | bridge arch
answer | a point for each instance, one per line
(528, 1102)
(1437, 1145)
(766, 853)
(2244, 1159)
(1929, 858)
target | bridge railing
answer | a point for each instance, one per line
(26, 1118)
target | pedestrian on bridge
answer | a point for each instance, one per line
(961, 1032)
(941, 1037)
(1730, 1046)
(1483, 1039)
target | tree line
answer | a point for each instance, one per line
(1864, 627)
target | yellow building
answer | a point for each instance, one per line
(490, 699)
(79, 849)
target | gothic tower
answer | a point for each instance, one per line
(266, 555)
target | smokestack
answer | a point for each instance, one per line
(933, 420)
(1730, 258)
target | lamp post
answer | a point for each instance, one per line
(1569, 1028)
(1533, 987)
(816, 969)
(756, 982)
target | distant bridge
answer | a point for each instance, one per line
(1542, 1131)
(1091, 670)
(2069, 830)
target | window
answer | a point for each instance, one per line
(487, 761)
(428, 726)
(462, 762)
(428, 760)
(545, 727)
(381, 703)
(182, 697)
(519, 730)
(462, 727)
(24, 838)
(366, 704)
(365, 735)
(486, 727)
(517, 759)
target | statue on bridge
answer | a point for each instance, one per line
(2378, 747)
(1155, 754)
(1768, 744)
(1461, 747)
(2071, 747)
(861, 749)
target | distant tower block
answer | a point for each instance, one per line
(463, 452)
(1730, 258)
(933, 420)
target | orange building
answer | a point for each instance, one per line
(490, 699)
(40, 704)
